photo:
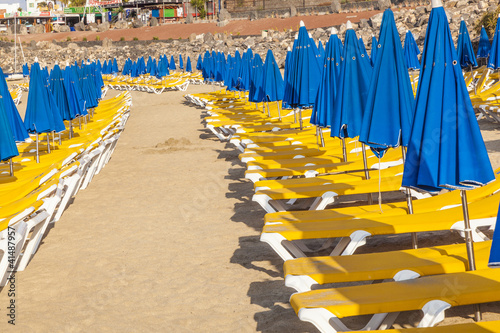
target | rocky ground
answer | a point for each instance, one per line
(192, 39)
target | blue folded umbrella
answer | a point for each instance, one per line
(181, 63)
(272, 82)
(465, 51)
(483, 50)
(321, 50)
(327, 90)
(15, 121)
(199, 63)
(188, 65)
(8, 148)
(494, 59)
(364, 53)
(255, 92)
(411, 52)
(494, 261)
(446, 149)
(352, 91)
(389, 106)
(26, 70)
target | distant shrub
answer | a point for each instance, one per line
(97, 38)
(135, 38)
(170, 38)
(84, 39)
(122, 39)
(155, 38)
(68, 39)
(489, 21)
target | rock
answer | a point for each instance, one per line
(224, 15)
(461, 3)
(106, 43)
(64, 28)
(263, 34)
(33, 44)
(420, 10)
(137, 24)
(192, 37)
(450, 4)
(286, 15)
(188, 19)
(253, 15)
(208, 37)
(72, 46)
(103, 27)
(384, 4)
(364, 24)
(121, 24)
(37, 29)
(335, 6)
(222, 23)
(482, 5)
(376, 20)
(153, 22)
(92, 27)
(293, 11)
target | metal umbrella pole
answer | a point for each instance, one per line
(344, 149)
(37, 155)
(367, 173)
(300, 118)
(48, 143)
(470, 246)
(279, 110)
(11, 167)
(409, 204)
(268, 111)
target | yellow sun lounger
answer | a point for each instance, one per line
(353, 232)
(480, 327)
(325, 192)
(304, 273)
(431, 294)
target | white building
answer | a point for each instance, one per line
(32, 5)
(10, 8)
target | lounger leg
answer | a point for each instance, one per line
(301, 283)
(322, 319)
(281, 246)
(263, 200)
(325, 199)
(433, 313)
(347, 245)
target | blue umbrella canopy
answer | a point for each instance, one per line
(327, 91)
(411, 52)
(483, 50)
(364, 53)
(206, 66)
(352, 91)
(8, 148)
(199, 63)
(494, 59)
(446, 149)
(286, 79)
(389, 106)
(76, 103)
(255, 92)
(494, 261)
(58, 90)
(188, 65)
(243, 83)
(373, 50)
(272, 81)
(39, 117)
(181, 62)
(172, 63)
(321, 50)
(15, 121)
(304, 69)
(465, 52)
(26, 70)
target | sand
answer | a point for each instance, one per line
(166, 239)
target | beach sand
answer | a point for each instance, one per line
(166, 239)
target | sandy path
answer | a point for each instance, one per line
(152, 244)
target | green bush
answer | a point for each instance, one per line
(97, 38)
(155, 38)
(68, 39)
(489, 21)
(122, 39)
(84, 39)
(135, 38)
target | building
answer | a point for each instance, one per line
(32, 5)
(9, 8)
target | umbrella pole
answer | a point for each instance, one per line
(300, 118)
(321, 138)
(268, 112)
(48, 143)
(279, 111)
(409, 204)
(11, 167)
(412, 83)
(80, 122)
(71, 129)
(37, 150)
(344, 149)
(367, 173)
(470, 246)
(294, 116)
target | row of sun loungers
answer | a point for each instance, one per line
(307, 191)
(38, 193)
(146, 83)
